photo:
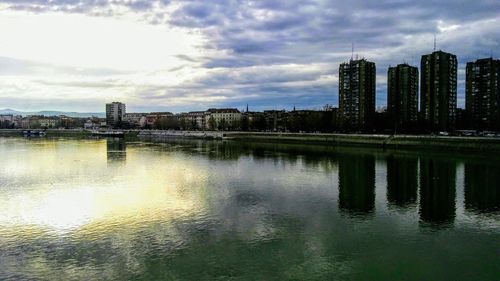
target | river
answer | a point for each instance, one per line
(90, 209)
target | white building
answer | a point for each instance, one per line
(224, 118)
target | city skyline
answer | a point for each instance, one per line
(226, 54)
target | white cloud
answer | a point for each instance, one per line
(92, 42)
(443, 27)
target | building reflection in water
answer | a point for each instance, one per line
(357, 183)
(402, 180)
(482, 187)
(437, 191)
(116, 150)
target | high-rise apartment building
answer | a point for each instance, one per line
(402, 96)
(115, 112)
(482, 100)
(438, 90)
(356, 94)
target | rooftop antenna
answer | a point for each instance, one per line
(352, 50)
(434, 42)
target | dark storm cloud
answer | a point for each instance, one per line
(259, 36)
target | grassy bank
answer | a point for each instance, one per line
(470, 144)
(441, 143)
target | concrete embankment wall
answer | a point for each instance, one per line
(50, 132)
(182, 134)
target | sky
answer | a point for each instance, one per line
(167, 55)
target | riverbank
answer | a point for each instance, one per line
(448, 143)
(50, 133)
(417, 142)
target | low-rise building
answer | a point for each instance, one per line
(48, 122)
(16, 122)
(253, 121)
(39, 121)
(29, 122)
(183, 121)
(6, 117)
(224, 119)
(198, 119)
(71, 122)
(6, 120)
(135, 119)
(153, 118)
(276, 120)
(94, 123)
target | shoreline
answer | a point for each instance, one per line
(448, 143)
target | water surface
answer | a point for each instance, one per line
(197, 210)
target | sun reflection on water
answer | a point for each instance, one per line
(144, 189)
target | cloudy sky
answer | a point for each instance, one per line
(75, 55)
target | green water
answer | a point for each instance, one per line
(195, 210)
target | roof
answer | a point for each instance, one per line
(223, 110)
(160, 113)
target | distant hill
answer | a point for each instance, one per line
(53, 113)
